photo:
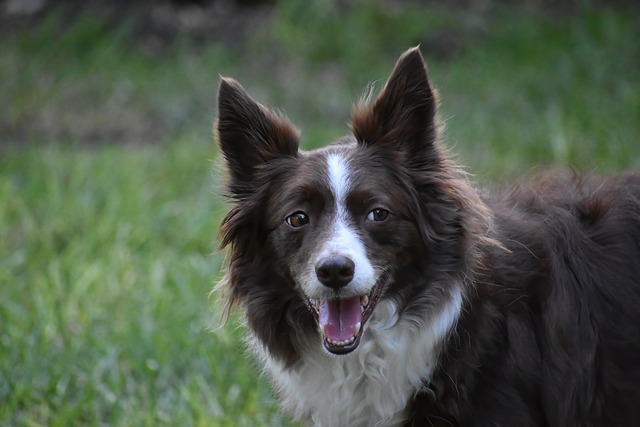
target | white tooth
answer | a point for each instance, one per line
(358, 326)
(364, 300)
(342, 343)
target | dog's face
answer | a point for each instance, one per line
(332, 228)
(341, 231)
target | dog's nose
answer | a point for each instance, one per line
(335, 272)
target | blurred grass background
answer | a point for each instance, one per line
(109, 178)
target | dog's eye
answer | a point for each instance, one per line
(297, 219)
(378, 215)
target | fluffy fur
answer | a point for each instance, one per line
(381, 289)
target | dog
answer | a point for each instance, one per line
(380, 288)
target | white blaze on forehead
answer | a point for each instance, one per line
(339, 178)
(343, 238)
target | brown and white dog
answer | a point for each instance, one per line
(381, 289)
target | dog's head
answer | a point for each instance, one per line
(327, 234)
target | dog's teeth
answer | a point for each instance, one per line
(341, 343)
(358, 326)
(364, 300)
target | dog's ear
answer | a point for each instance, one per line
(249, 134)
(403, 114)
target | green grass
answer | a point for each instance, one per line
(106, 267)
(107, 251)
(548, 91)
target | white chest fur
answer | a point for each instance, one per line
(370, 386)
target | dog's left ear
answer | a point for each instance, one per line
(403, 115)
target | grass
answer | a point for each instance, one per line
(561, 92)
(107, 250)
(106, 268)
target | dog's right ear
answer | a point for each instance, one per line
(249, 134)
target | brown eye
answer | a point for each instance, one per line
(378, 215)
(297, 219)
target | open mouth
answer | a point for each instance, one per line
(342, 320)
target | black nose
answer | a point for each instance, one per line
(335, 271)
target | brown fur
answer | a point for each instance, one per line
(549, 333)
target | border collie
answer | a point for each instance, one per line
(381, 289)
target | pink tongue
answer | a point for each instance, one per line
(338, 318)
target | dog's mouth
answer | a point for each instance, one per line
(342, 321)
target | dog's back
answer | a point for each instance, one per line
(552, 337)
